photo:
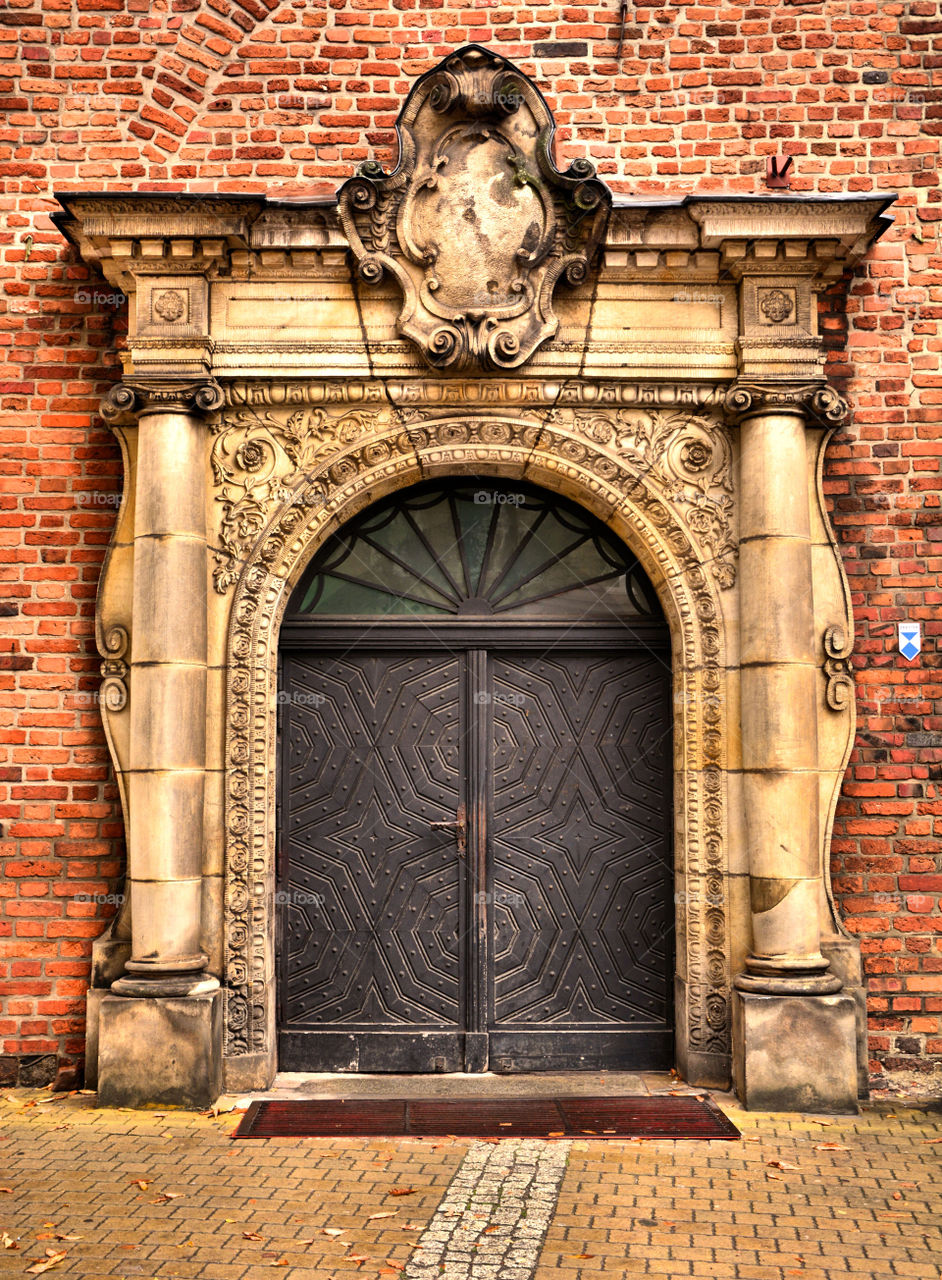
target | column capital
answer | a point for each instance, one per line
(132, 398)
(820, 404)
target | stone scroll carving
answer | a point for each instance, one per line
(476, 224)
(114, 669)
(838, 669)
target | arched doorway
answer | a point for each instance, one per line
(475, 802)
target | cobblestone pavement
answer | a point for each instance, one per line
(169, 1195)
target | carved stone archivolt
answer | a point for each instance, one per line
(476, 147)
(285, 479)
(261, 458)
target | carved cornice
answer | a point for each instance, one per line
(130, 399)
(476, 224)
(819, 403)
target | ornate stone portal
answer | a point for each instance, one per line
(476, 312)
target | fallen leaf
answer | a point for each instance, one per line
(393, 1265)
(166, 1196)
(608, 1130)
(505, 1124)
(358, 1257)
(389, 1214)
(8, 1242)
(557, 1133)
(781, 1164)
(402, 1191)
(580, 1255)
(332, 1231)
(777, 1176)
(68, 1237)
(52, 1259)
(897, 1195)
(926, 1143)
(8, 1191)
(139, 1182)
(830, 1146)
(489, 1231)
(282, 1262)
(251, 1235)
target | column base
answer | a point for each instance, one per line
(160, 1052)
(795, 1052)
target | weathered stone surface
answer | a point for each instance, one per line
(795, 1053)
(160, 1052)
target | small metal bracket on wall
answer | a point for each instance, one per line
(622, 19)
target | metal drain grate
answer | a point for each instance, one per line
(641, 1117)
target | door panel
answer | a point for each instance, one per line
(539, 941)
(372, 897)
(580, 860)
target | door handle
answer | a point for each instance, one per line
(460, 828)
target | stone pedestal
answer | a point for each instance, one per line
(160, 1052)
(795, 1052)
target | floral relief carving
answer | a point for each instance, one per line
(691, 455)
(257, 461)
(170, 305)
(776, 304)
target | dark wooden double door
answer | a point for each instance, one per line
(474, 865)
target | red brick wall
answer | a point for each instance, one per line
(262, 95)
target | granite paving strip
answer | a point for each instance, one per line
(494, 1216)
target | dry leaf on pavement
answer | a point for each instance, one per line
(402, 1191)
(830, 1146)
(332, 1231)
(251, 1235)
(781, 1164)
(139, 1182)
(390, 1213)
(52, 1259)
(8, 1242)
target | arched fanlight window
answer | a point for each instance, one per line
(485, 550)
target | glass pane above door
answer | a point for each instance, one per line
(470, 549)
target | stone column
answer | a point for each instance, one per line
(162, 1024)
(794, 1048)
